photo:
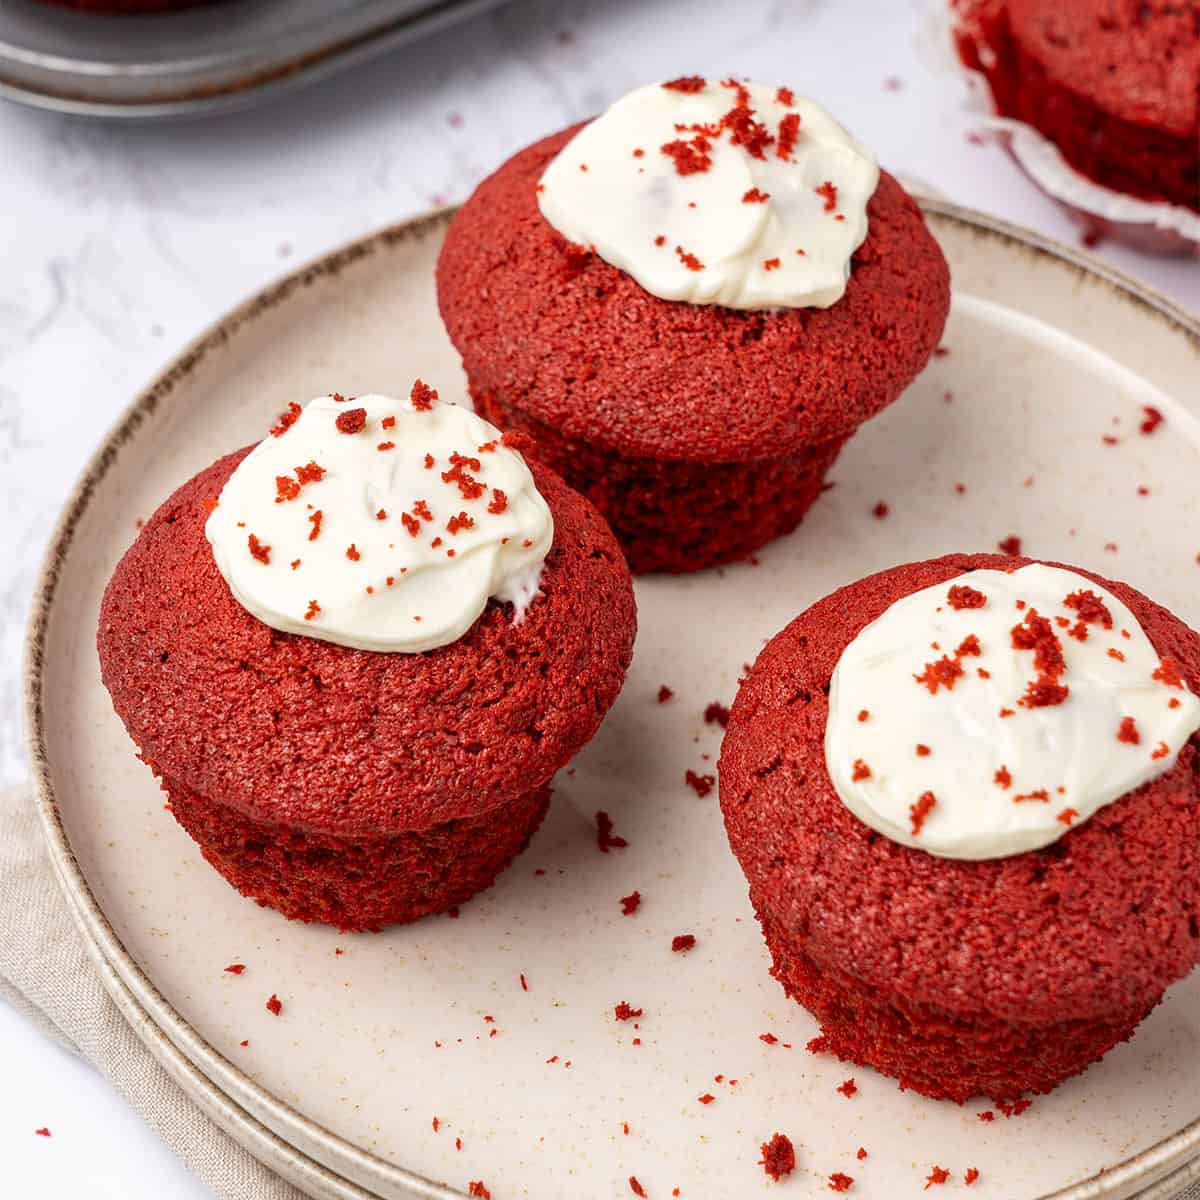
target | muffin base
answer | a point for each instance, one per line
(358, 884)
(677, 516)
(931, 1051)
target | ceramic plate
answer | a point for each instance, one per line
(1047, 357)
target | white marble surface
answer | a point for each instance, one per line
(118, 245)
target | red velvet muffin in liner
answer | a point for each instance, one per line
(958, 978)
(700, 432)
(353, 787)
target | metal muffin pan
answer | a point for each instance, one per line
(216, 58)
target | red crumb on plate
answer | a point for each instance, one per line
(778, 1156)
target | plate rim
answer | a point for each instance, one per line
(121, 973)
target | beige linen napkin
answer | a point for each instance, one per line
(46, 974)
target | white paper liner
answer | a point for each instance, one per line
(1169, 227)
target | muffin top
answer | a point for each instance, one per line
(1138, 60)
(580, 345)
(304, 732)
(1101, 919)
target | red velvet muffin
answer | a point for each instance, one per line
(701, 429)
(352, 786)
(1004, 970)
(1115, 84)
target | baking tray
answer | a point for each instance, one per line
(217, 58)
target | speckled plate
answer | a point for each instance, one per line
(1048, 354)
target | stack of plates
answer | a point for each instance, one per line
(1048, 353)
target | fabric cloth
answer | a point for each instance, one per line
(46, 974)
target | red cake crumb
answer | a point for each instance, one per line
(880, 510)
(1161, 750)
(986, 1115)
(43, 1132)
(961, 596)
(422, 396)
(286, 488)
(686, 83)
(864, 715)
(274, 1005)
(971, 1175)
(312, 611)
(436, 1123)
(315, 519)
(839, 1181)
(861, 771)
(920, 810)
(1091, 609)
(524, 982)
(789, 135)
(861, 1154)
(350, 421)
(352, 553)
(1167, 672)
(629, 904)
(688, 259)
(1010, 545)
(716, 713)
(258, 550)
(769, 1038)
(1041, 796)
(1128, 732)
(1013, 1108)
(785, 96)
(829, 193)
(923, 751)
(286, 420)
(778, 1156)
(938, 1175)
(945, 672)
(700, 784)
(771, 264)
(848, 1088)
(1153, 420)
(636, 1188)
(235, 968)
(605, 838)
(1067, 816)
(625, 1012)
(664, 694)
(755, 196)
(476, 1188)
(682, 942)
(707, 1098)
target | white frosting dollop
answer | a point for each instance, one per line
(380, 524)
(716, 193)
(918, 710)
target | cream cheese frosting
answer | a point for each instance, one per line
(380, 524)
(712, 192)
(988, 715)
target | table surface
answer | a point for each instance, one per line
(120, 244)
